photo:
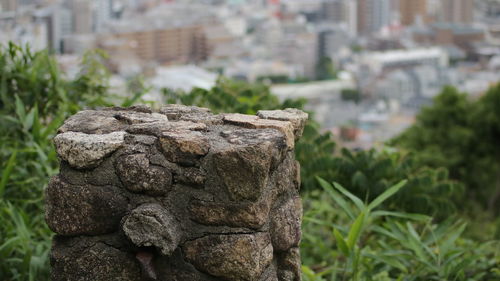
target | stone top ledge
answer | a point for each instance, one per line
(183, 130)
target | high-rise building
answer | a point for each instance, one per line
(412, 11)
(103, 11)
(372, 15)
(82, 16)
(8, 5)
(334, 11)
(457, 11)
(341, 12)
(168, 45)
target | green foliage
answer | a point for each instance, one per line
(34, 101)
(350, 95)
(366, 243)
(325, 69)
(369, 173)
(461, 135)
(358, 233)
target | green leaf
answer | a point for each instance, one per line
(416, 217)
(7, 172)
(355, 230)
(341, 242)
(20, 110)
(388, 193)
(354, 199)
(336, 197)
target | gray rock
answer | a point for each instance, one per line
(152, 225)
(131, 117)
(254, 122)
(190, 176)
(235, 257)
(184, 147)
(176, 111)
(137, 108)
(82, 150)
(244, 170)
(157, 128)
(83, 210)
(137, 175)
(289, 268)
(178, 195)
(297, 117)
(286, 177)
(285, 224)
(250, 215)
(93, 122)
(87, 259)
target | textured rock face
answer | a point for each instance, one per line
(239, 257)
(83, 150)
(178, 194)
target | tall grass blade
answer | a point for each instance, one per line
(7, 171)
(336, 197)
(341, 242)
(388, 193)
(354, 199)
(355, 231)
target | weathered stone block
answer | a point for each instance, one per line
(297, 117)
(83, 210)
(175, 195)
(289, 265)
(238, 257)
(254, 122)
(184, 147)
(244, 170)
(137, 175)
(85, 151)
(152, 225)
(285, 224)
(251, 215)
(83, 259)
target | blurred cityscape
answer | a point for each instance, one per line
(365, 66)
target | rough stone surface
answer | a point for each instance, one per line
(76, 210)
(152, 225)
(175, 195)
(251, 215)
(157, 128)
(285, 224)
(254, 122)
(238, 257)
(184, 147)
(138, 175)
(84, 259)
(289, 265)
(297, 117)
(83, 150)
(244, 170)
(177, 111)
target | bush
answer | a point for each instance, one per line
(346, 239)
(34, 101)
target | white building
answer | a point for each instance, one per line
(378, 62)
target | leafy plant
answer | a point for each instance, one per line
(365, 243)
(35, 98)
(462, 135)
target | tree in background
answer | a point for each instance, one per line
(463, 136)
(325, 70)
(350, 95)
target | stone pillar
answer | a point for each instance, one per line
(179, 194)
